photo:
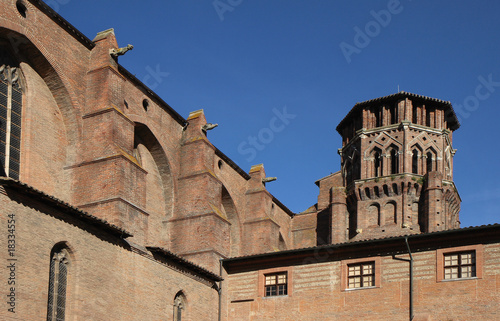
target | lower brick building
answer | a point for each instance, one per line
(115, 207)
(448, 275)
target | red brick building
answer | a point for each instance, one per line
(115, 207)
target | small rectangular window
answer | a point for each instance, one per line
(276, 284)
(361, 275)
(459, 265)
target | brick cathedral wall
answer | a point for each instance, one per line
(106, 281)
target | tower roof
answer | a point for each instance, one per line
(451, 116)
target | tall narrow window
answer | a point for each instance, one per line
(415, 115)
(10, 116)
(394, 114)
(378, 120)
(378, 165)
(179, 306)
(428, 117)
(414, 162)
(56, 306)
(429, 162)
(348, 172)
(394, 161)
(356, 167)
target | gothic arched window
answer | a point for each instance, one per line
(179, 306)
(429, 162)
(59, 266)
(378, 164)
(414, 162)
(394, 161)
(11, 101)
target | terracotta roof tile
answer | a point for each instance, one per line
(183, 262)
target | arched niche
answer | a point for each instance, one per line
(229, 209)
(159, 187)
(57, 83)
(390, 213)
(49, 126)
(373, 218)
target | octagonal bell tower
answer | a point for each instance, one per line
(397, 166)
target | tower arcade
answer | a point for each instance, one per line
(397, 165)
(396, 171)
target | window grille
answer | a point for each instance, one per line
(11, 100)
(361, 275)
(276, 284)
(459, 265)
(56, 306)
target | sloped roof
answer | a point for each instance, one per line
(102, 224)
(185, 263)
(64, 207)
(462, 233)
(454, 123)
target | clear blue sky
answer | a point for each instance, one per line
(243, 60)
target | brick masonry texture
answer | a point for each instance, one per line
(94, 138)
(106, 280)
(318, 288)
